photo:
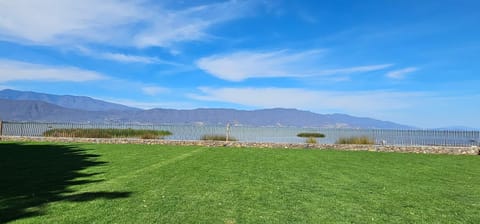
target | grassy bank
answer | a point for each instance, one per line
(106, 133)
(101, 183)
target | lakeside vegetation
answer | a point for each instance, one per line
(217, 138)
(107, 133)
(311, 137)
(360, 140)
(103, 183)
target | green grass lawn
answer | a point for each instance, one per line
(89, 183)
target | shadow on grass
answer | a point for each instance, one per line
(31, 176)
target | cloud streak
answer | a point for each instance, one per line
(124, 58)
(112, 22)
(240, 66)
(401, 73)
(190, 24)
(134, 59)
(154, 90)
(22, 71)
(62, 21)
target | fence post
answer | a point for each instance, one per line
(227, 134)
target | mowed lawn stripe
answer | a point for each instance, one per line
(139, 173)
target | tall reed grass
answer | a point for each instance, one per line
(358, 140)
(107, 133)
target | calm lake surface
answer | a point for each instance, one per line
(272, 134)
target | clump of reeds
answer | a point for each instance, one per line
(311, 137)
(106, 133)
(311, 140)
(217, 138)
(358, 140)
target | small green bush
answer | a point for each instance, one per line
(361, 140)
(217, 138)
(148, 136)
(310, 135)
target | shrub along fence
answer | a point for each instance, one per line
(263, 134)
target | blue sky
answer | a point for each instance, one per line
(411, 62)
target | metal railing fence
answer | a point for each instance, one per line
(265, 134)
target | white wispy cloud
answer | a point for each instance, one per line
(367, 68)
(239, 66)
(243, 65)
(355, 102)
(154, 90)
(133, 58)
(16, 70)
(124, 58)
(190, 24)
(63, 21)
(400, 74)
(112, 22)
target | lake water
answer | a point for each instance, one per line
(272, 134)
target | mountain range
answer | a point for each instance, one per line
(31, 106)
(67, 101)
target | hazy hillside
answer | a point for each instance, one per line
(72, 102)
(28, 110)
(265, 117)
(36, 110)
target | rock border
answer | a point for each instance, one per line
(474, 150)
